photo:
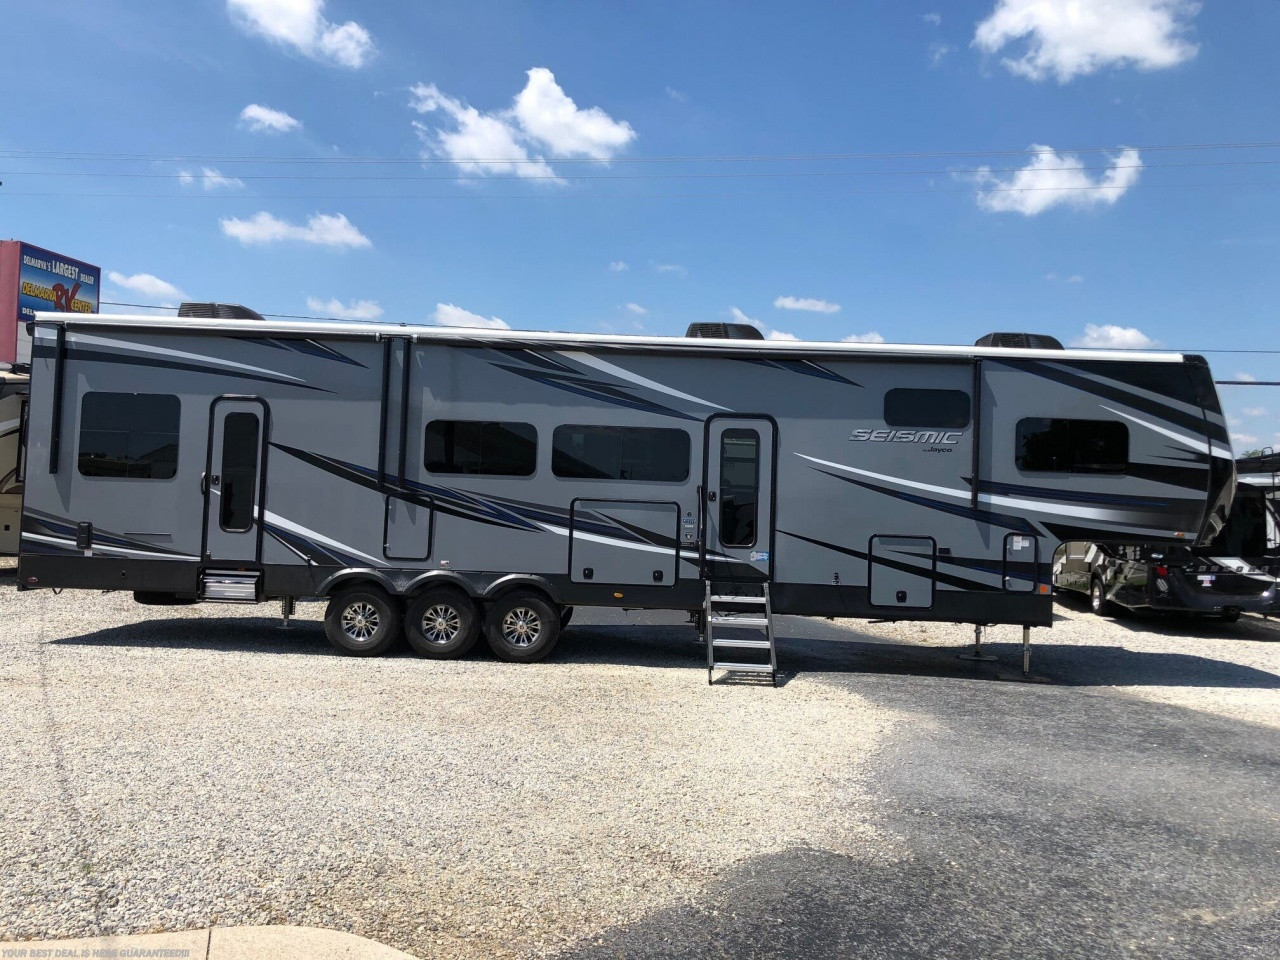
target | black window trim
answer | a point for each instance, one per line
(688, 464)
(1018, 456)
(177, 435)
(911, 422)
(755, 538)
(426, 464)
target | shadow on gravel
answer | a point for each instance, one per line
(1248, 627)
(1101, 829)
(248, 635)
(842, 650)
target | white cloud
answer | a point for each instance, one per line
(871, 337)
(1070, 38)
(670, 268)
(262, 119)
(1112, 336)
(769, 332)
(636, 309)
(322, 229)
(933, 19)
(1247, 377)
(300, 24)
(806, 303)
(1254, 411)
(210, 179)
(547, 114)
(676, 95)
(543, 117)
(1050, 180)
(618, 266)
(356, 310)
(148, 285)
(447, 315)
(1244, 438)
(481, 142)
(938, 52)
(1052, 277)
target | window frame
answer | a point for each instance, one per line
(507, 424)
(757, 462)
(1019, 452)
(223, 499)
(152, 398)
(911, 423)
(618, 429)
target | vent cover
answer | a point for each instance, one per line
(724, 331)
(217, 311)
(1021, 341)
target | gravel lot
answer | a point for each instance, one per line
(175, 768)
(170, 768)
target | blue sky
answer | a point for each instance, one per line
(922, 172)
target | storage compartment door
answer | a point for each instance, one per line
(408, 530)
(902, 572)
(627, 542)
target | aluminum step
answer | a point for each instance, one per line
(731, 599)
(744, 644)
(743, 667)
(230, 586)
(740, 621)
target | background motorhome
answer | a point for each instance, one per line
(1237, 572)
(497, 478)
(13, 404)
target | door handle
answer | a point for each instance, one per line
(204, 484)
(711, 497)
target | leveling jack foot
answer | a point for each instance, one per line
(1025, 676)
(286, 611)
(977, 653)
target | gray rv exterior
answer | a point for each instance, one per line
(855, 516)
(13, 398)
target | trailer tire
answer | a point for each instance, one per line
(442, 624)
(522, 627)
(362, 621)
(1098, 601)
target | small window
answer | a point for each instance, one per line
(905, 407)
(129, 435)
(620, 453)
(1072, 446)
(239, 471)
(481, 447)
(739, 487)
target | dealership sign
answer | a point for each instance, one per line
(34, 279)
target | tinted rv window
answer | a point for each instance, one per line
(904, 407)
(1072, 446)
(481, 447)
(620, 453)
(739, 487)
(132, 435)
(239, 471)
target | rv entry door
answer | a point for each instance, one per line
(738, 490)
(233, 481)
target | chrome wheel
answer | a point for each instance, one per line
(521, 627)
(360, 621)
(441, 624)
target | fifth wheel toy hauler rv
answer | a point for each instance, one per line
(438, 481)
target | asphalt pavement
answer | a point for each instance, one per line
(1058, 819)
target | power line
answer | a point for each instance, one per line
(189, 178)
(621, 196)
(712, 158)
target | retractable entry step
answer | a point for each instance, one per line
(746, 612)
(230, 586)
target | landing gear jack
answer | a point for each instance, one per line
(977, 653)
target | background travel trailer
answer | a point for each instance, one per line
(503, 476)
(13, 402)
